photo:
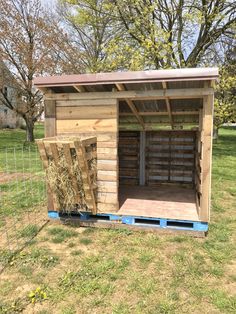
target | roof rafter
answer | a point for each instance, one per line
(80, 88)
(131, 105)
(168, 106)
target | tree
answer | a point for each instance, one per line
(225, 102)
(10, 90)
(153, 34)
(178, 33)
(89, 31)
(97, 38)
(27, 39)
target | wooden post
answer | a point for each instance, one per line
(206, 138)
(50, 130)
(142, 158)
(50, 118)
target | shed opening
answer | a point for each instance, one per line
(157, 168)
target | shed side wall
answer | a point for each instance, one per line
(100, 120)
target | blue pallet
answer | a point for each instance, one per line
(109, 217)
(53, 214)
(141, 221)
(165, 223)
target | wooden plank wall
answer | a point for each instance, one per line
(95, 118)
(128, 151)
(170, 157)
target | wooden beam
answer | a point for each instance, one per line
(86, 102)
(206, 160)
(131, 105)
(142, 152)
(185, 93)
(50, 118)
(80, 88)
(162, 113)
(168, 106)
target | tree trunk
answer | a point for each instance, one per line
(29, 130)
(215, 133)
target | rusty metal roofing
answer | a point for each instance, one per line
(173, 75)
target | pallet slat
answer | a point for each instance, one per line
(83, 150)
(170, 156)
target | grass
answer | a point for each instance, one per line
(85, 241)
(61, 234)
(122, 271)
(16, 137)
(29, 231)
(22, 186)
(15, 153)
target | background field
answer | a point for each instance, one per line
(76, 270)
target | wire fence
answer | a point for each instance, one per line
(22, 199)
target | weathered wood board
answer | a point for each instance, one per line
(95, 118)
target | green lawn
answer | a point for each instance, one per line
(69, 270)
(22, 184)
(16, 137)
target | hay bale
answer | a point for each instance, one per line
(59, 178)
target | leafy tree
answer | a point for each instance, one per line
(225, 102)
(177, 33)
(27, 42)
(89, 30)
(98, 37)
(140, 34)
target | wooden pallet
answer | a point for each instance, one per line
(193, 228)
(85, 150)
(170, 157)
(128, 151)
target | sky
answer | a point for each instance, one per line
(49, 3)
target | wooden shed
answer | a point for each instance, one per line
(154, 141)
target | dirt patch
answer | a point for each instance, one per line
(11, 227)
(230, 284)
(7, 177)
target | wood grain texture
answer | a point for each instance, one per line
(206, 138)
(86, 125)
(107, 197)
(107, 144)
(170, 157)
(73, 102)
(107, 186)
(107, 165)
(86, 112)
(50, 127)
(107, 175)
(129, 152)
(50, 109)
(107, 208)
(162, 202)
(186, 93)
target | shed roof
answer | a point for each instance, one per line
(187, 74)
(147, 98)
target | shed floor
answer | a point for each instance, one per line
(158, 202)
